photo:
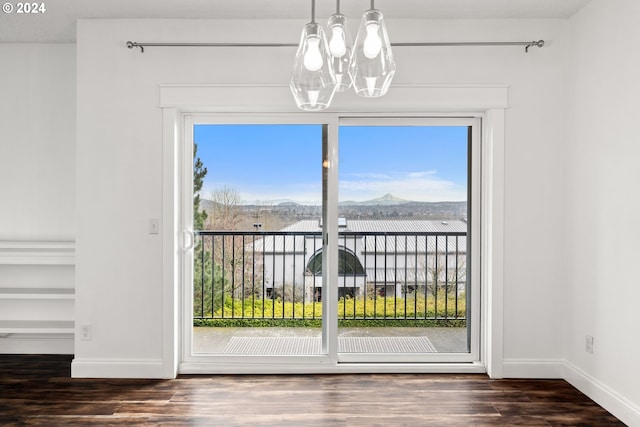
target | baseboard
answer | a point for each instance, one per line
(117, 368)
(29, 344)
(533, 368)
(612, 401)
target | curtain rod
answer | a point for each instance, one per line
(142, 45)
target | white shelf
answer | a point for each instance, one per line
(37, 253)
(39, 285)
(37, 326)
(37, 293)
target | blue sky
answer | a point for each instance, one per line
(283, 162)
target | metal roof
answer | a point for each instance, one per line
(394, 244)
(286, 244)
(397, 226)
(305, 226)
(414, 244)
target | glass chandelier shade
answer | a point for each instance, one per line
(372, 66)
(313, 82)
(340, 46)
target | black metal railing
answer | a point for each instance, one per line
(382, 275)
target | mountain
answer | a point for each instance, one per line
(388, 207)
(386, 200)
(279, 202)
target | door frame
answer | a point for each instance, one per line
(486, 102)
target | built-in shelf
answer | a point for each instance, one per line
(37, 293)
(33, 303)
(37, 253)
(37, 326)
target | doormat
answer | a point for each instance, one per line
(313, 345)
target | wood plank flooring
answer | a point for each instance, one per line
(38, 390)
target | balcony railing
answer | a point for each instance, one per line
(385, 276)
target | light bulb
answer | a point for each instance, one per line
(313, 97)
(371, 85)
(337, 45)
(312, 57)
(372, 43)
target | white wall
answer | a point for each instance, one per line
(119, 165)
(602, 227)
(37, 141)
(37, 191)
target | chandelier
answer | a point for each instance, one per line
(324, 66)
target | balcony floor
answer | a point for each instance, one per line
(208, 340)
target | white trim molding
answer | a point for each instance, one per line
(533, 368)
(609, 399)
(170, 242)
(492, 240)
(117, 368)
(37, 253)
(265, 366)
(482, 101)
(618, 405)
(277, 98)
(37, 344)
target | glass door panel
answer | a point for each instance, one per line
(404, 225)
(258, 236)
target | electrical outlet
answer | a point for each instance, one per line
(86, 332)
(588, 344)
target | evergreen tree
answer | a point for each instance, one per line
(199, 172)
(202, 280)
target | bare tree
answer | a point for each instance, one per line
(241, 269)
(446, 280)
(447, 271)
(225, 212)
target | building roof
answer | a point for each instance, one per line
(390, 244)
(393, 226)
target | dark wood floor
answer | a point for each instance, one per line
(38, 390)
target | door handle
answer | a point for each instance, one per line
(188, 235)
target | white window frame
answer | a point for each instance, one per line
(487, 103)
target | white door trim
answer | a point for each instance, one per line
(488, 102)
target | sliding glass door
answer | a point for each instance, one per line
(314, 243)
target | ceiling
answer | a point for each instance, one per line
(57, 24)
